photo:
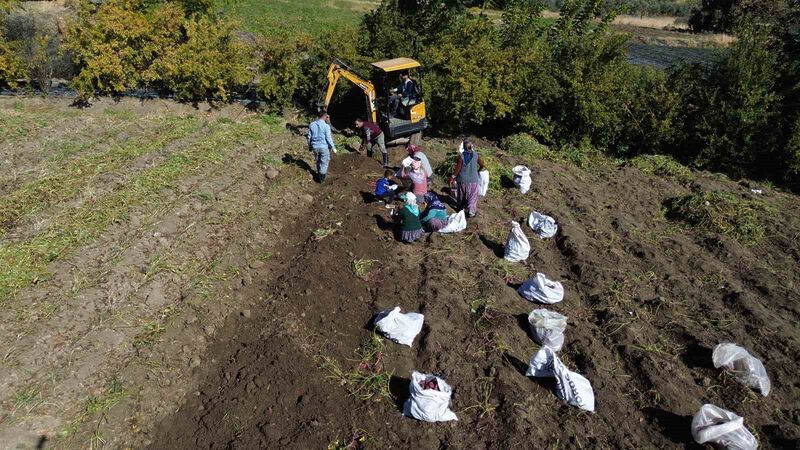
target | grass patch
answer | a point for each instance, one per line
(723, 213)
(322, 233)
(98, 404)
(362, 267)
(527, 146)
(663, 166)
(76, 174)
(368, 380)
(25, 400)
(25, 263)
(268, 17)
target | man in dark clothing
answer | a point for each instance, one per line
(405, 95)
(373, 136)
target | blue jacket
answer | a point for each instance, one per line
(319, 136)
(382, 186)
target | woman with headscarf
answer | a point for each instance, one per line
(435, 217)
(417, 153)
(419, 181)
(468, 179)
(407, 219)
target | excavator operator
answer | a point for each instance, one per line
(403, 95)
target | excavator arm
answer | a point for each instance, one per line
(337, 70)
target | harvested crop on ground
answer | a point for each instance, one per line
(728, 214)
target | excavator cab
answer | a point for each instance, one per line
(400, 118)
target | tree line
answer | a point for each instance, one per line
(566, 84)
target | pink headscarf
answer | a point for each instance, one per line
(411, 149)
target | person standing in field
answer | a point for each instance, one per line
(320, 142)
(373, 136)
(468, 179)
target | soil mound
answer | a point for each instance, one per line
(646, 302)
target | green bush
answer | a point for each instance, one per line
(723, 213)
(663, 166)
(523, 144)
(12, 68)
(583, 155)
(732, 119)
(128, 44)
(681, 8)
(343, 43)
(209, 64)
(467, 76)
(280, 71)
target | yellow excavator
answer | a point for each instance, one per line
(402, 118)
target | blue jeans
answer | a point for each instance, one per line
(323, 158)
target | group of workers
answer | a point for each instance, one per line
(411, 183)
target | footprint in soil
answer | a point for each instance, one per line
(676, 428)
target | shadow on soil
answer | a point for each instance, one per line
(398, 386)
(674, 427)
(289, 159)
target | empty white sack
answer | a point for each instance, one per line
(399, 327)
(544, 226)
(548, 328)
(722, 428)
(542, 290)
(747, 368)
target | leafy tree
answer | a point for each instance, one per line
(408, 27)
(209, 64)
(468, 75)
(127, 44)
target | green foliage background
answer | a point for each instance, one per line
(565, 83)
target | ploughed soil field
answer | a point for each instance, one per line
(179, 283)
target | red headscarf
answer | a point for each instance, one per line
(411, 148)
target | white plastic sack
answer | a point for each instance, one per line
(722, 428)
(542, 225)
(407, 161)
(571, 387)
(429, 405)
(517, 246)
(484, 186)
(541, 365)
(548, 328)
(522, 178)
(455, 223)
(747, 368)
(399, 327)
(540, 289)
